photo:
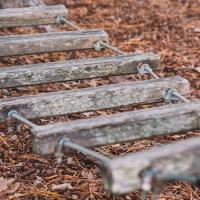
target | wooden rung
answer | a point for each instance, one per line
(75, 69)
(118, 128)
(122, 175)
(91, 99)
(31, 16)
(50, 42)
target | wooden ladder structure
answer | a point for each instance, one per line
(123, 174)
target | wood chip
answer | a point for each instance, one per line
(197, 69)
(64, 186)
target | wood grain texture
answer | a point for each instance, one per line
(20, 3)
(182, 158)
(118, 128)
(90, 99)
(50, 42)
(40, 15)
(75, 69)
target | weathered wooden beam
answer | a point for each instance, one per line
(50, 42)
(40, 15)
(75, 69)
(90, 99)
(122, 174)
(20, 3)
(118, 128)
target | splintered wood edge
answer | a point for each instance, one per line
(17, 45)
(75, 69)
(91, 99)
(122, 175)
(29, 16)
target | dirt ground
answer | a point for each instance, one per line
(169, 28)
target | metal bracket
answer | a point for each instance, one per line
(169, 97)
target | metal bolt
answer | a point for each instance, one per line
(172, 94)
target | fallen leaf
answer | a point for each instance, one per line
(3, 184)
(197, 69)
(61, 187)
(14, 189)
(197, 30)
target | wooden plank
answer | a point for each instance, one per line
(90, 99)
(50, 42)
(118, 128)
(75, 69)
(122, 175)
(20, 3)
(40, 15)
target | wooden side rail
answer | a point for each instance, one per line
(50, 42)
(31, 16)
(75, 69)
(91, 99)
(122, 174)
(118, 128)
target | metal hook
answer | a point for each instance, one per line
(172, 94)
(62, 20)
(146, 69)
(100, 45)
(14, 114)
(65, 142)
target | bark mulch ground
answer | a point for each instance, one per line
(169, 28)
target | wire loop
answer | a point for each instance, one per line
(100, 45)
(65, 142)
(14, 114)
(62, 20)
